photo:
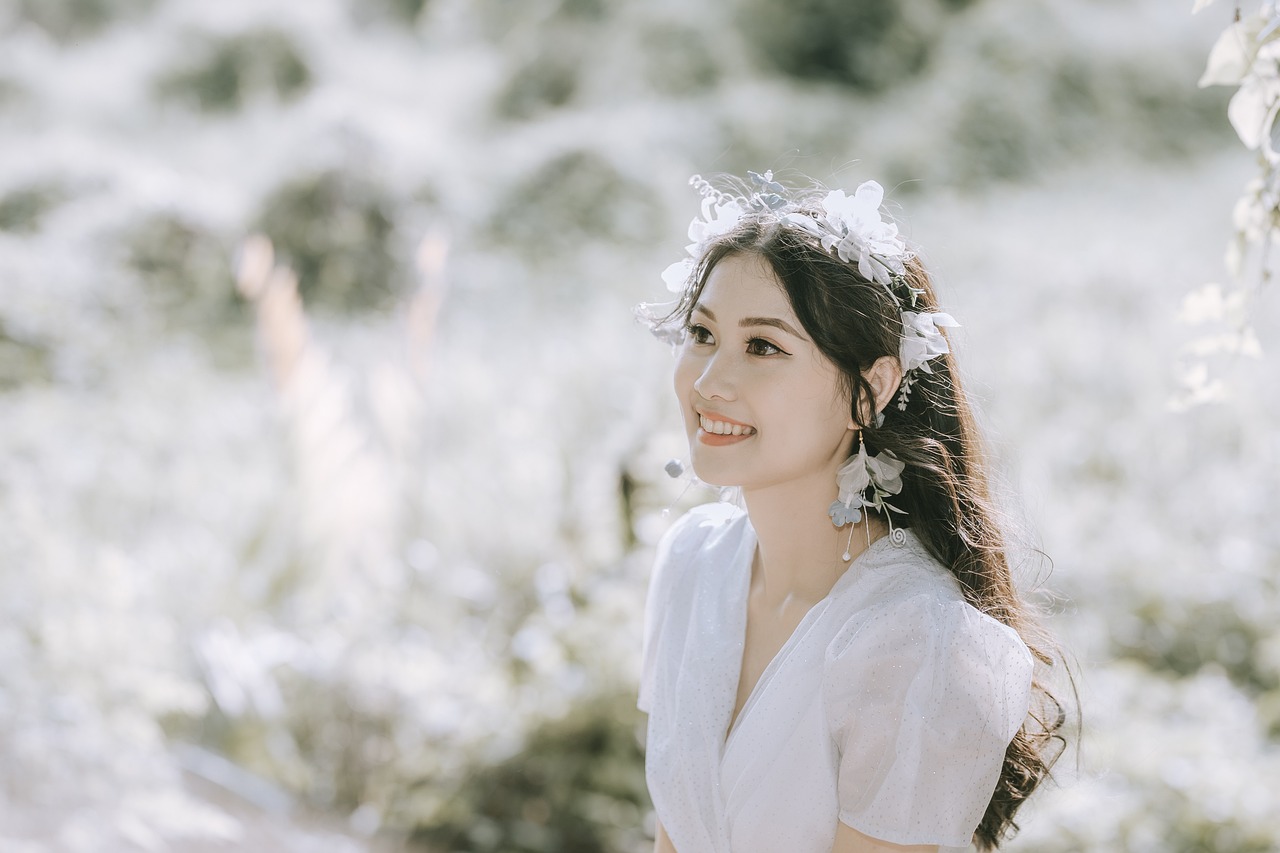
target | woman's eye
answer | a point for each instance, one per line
(700, 334)
(759, 346)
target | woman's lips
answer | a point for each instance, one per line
(720, 425)
(713, 440)
(716, 430)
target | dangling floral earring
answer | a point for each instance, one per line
(865, 481)
(676, 469)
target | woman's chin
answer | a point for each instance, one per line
(709, 475)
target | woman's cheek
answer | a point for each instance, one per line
(685, 375)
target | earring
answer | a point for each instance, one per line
(675, 470)
(865, 481)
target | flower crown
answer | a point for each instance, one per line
(848, 227)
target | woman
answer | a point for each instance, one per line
(845, 665)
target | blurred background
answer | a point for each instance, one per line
(351, 554)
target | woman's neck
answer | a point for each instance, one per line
(800, 550)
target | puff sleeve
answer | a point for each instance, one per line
(922, 697)
(670, 552)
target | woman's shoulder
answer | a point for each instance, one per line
(706, 525)
(711, 530)
(922, 694)
(904, 597)
(894, 573)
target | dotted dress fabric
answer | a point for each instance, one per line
(889, 708)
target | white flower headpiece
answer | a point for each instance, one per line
(849, 227)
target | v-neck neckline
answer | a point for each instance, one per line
(740, 628)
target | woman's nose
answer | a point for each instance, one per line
(716, 379)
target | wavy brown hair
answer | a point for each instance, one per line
(946, 491)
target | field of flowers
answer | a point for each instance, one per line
(337, 537)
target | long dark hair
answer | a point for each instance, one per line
(946, 491)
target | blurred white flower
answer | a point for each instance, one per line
(1242, 342)
(1210, 304)
(1247, 54)
(1196, 388)
(1254, 213)
(1232, 54)
(1252, 112)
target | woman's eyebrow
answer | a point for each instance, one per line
(747, 322)
(771, 321)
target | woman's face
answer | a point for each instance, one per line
(762, 406)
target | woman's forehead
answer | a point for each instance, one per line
(745, 286)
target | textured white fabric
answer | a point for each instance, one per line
(888, 708)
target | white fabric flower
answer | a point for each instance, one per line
(842, 514)
(921, 339)
(857, 212)
(882, 472)
(1252, 111)
(857, 232)
(656, 315)
(677, 275)
(803, 222)
(718, 218)
(886, 472)
(850, 226)
(853, 476)
(1247, 54)
(1232, 54)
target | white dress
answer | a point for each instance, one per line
(889, 708)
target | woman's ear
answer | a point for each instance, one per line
(884, 376)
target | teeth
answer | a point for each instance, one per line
(725, 428)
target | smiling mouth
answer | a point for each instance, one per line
(713, 427)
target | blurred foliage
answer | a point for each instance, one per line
(74, 20)
(1018, 113)
(585, 10)
(23, 208)
(1182, 637)
(677, 59)
(403, 12)
(11, 91)
(575, 197)
(868, 46)
(1190, 826)
(1161, 115)
(577, 786)
(550, 47)
(336, 229)
(1128, 101)
(1187, 826)
(502, 20)
(545, 79)
(326, 745)
(222, 73)
(23, 359)
(185, 269)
